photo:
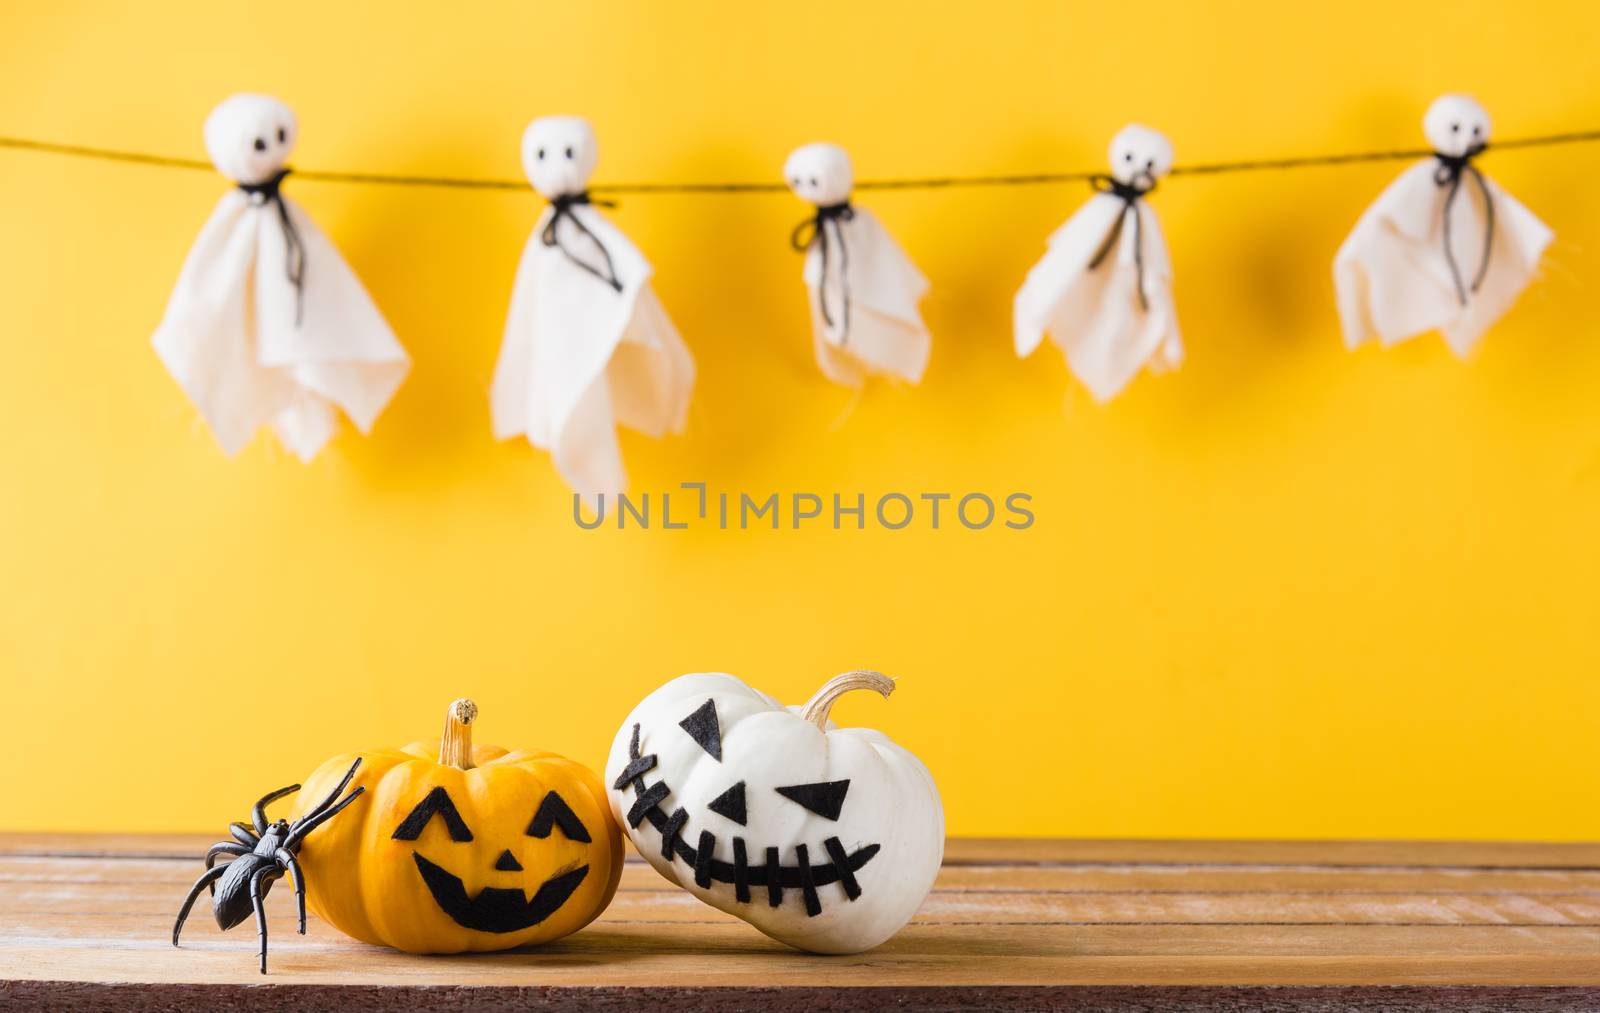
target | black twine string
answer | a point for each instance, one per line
(908, 183)
(269, 191)
(1448, 175)
(561, 207)
(1129, 194)
(815, 230)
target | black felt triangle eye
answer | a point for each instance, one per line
(730, 804)
(437, 803)
(703, 728)
(825, 798)
(554, 812)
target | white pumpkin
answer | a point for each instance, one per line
(718, 785)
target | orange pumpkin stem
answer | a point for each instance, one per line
(817, 708)
(455, 745)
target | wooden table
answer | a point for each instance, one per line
(1103, 925)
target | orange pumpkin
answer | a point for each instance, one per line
(458, 848)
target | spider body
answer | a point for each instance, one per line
(261, 852)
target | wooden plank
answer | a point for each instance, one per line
(1022, 851)
(70, 995)
(66, 904)
(992, 880)
(734, 955)
(1024, 924)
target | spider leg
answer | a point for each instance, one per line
(259, 813)
(261, 914)
(317, 809)
(241, 832)
(206, 879)
(305, 826)
(286, 857)
(218, 850)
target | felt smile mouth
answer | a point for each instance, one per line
(495, 909)
(771, 874)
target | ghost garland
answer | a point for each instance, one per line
(268, 325)
(1103, 291)
(863, 289)
(587, 343)
(1442, 248)
(824, 838)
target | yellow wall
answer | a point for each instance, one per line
(1287, 591)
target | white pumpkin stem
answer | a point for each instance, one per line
(455, 745)
(817, 708)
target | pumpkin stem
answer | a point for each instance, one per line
(817, 708)
(455, 745)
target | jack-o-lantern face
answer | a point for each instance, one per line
(824, 838)
(516, 848)
(495, 908)
(768, 873)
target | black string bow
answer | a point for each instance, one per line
(1129, 194)
(561, 207)
(815, 230)
(268, 192)
(1448, 174)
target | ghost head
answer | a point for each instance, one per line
(559, 154)
(249, 137)
(1140, 156)
(1455, 124)
(820, 173)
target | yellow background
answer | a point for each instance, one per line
(1287, 591)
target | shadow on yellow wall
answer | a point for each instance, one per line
(1285, 591)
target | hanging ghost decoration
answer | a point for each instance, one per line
(863, 289)
(1103, 291)
(824, 838)
(587, 343)
(1442, 248)
(268, 325)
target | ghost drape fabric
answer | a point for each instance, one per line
(863, 289)
(1442, 248)
(579, 355)
(268, 326)
(1103, 290)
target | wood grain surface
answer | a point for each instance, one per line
(1034, 924)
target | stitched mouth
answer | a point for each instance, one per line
(772, 874)
(495, 909)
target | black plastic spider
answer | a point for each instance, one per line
(259, 859)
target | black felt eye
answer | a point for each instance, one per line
(1150, 165)
(260, 145)
(825, 798)
(1476, 131)
(283, 136)
(795, 182)
(702, 726)
(813, 181)
(554, 812)
(569, 154)
(436, 803)
(1455, 128)
(540, 154)
(1128, 157)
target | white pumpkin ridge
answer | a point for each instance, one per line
(708, 869)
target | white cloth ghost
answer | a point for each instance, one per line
(268, 325)
(587, 343)
(864, 289)
(1103, 290)
(1442, 248)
